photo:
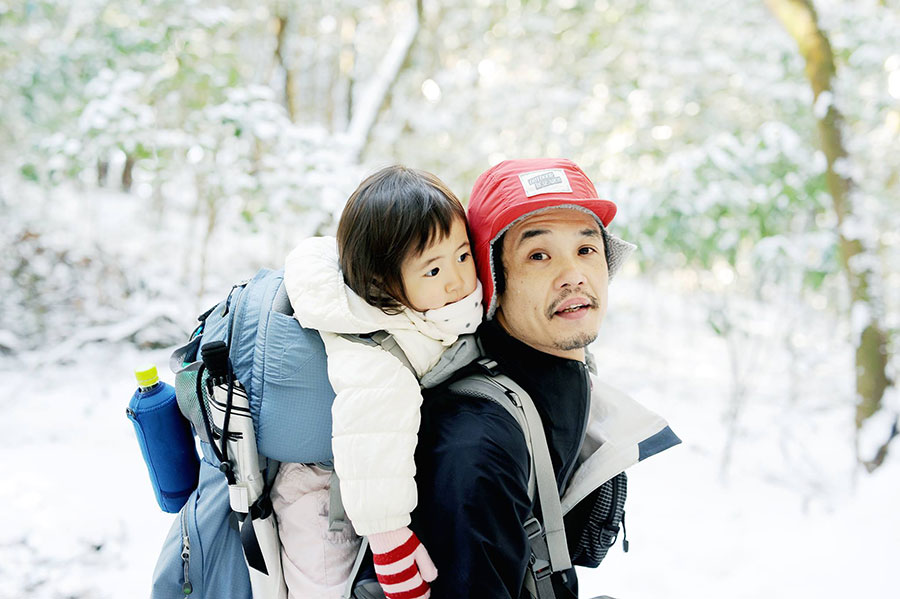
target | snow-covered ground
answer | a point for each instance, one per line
(785, 515)
(787, 518)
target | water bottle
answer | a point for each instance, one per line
(166, 440)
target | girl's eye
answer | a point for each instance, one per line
(586, 250)
(433, 272)
(463, 257)
(538, 256)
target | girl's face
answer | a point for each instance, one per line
(442, 274)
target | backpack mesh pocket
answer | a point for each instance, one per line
(600, 515)
(190, 403)
(193, 400)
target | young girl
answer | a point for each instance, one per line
(401, 263)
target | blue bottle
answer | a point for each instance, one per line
(166, 440)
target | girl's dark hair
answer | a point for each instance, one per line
(393, 214)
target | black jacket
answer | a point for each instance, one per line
(472, 470)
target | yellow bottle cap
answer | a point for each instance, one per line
(146, 376)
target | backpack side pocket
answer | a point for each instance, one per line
(599, 517)
(214, 566)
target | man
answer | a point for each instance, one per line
(544, 259)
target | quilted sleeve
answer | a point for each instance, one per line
(375, 426)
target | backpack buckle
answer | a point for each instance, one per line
(539, 567)
(489, 366)
(261, 508)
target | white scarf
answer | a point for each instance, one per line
(460, 317)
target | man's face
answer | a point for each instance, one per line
(556, 282)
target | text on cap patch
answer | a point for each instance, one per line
(551, 180)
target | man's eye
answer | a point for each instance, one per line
(538, 256)
(433, 272)
(463, 257)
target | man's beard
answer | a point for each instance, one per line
(581, 339)
(577, 342)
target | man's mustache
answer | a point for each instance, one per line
(593, 302)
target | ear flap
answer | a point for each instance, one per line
(619, 250)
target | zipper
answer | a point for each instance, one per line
(622, 481)
(186, 588)
(617, 485)
(610, 520)
(586, 378)
(242, 299)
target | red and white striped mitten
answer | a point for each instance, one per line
(402, 564)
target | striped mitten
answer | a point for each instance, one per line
(402, 564)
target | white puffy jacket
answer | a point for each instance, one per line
(376, 409)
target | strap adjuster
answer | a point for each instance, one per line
(533, 528)
(262, 508)
(489, 366)
(609, 535)
(539, 567)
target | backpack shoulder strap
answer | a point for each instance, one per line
(387, 342)
(390, 345)
(506, 392)
(281, 303)
(548, 494)
(482, 385)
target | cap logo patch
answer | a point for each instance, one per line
(551, 180)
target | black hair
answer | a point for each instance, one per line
(393, 214)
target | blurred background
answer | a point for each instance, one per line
(153, 153)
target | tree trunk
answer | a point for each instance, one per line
(290, 92)
(208, 199)
(800, 19)
(128, 173)
(187, 270)
(346, 63)
(102, 172)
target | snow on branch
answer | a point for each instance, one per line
(158, 318)
(376, 91)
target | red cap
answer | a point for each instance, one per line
(513, 189)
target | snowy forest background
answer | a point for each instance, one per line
(153, 153)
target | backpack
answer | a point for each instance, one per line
(276, 407)
(254, 385)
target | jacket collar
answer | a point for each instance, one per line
(560, 388)
(514, 356)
